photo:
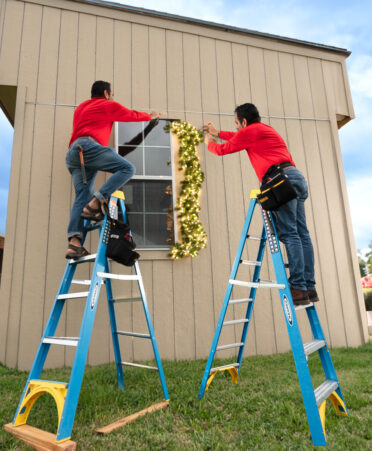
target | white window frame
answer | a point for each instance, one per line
(156, 177)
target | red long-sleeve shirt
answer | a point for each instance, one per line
(95, 117)
(263, 144)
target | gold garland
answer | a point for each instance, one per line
(193, 234)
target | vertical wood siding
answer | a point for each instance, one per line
(53, 56)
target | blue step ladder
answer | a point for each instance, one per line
(66, 395)
(314, 400)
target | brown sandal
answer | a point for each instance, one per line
(95, 214)
(77, 252)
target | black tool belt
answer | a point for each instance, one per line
(276, 189)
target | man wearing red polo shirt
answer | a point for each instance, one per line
(265, 147)
(92, 124)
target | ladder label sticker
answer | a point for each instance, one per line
(287, 310)
(94, 296)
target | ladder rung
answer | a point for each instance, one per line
(82, 294)
(252, 237)
(127, 299)
(235, 321)
(235, 365)
(137, 365)
(133, 334)
(302, 307)
(88, 258)
(233, 345)
(313, 346)
(64, 341)
(107, 275)
(251, 263)
(324, 391)
(81, 282)
(257, 284)
(240, 301)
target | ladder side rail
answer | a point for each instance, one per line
(147, 314)
(50, 328)
(225, 303)
(295, 339)
(115, 338)
(81, 354)
(252, 295)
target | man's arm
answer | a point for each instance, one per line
(211, 128)
(235, 144)
(119, 113)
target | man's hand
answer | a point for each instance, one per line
(210, 128)
(154, 114)
(207, 139)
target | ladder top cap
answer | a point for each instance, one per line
(255, 193)
(118, 194)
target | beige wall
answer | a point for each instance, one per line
(53, 51)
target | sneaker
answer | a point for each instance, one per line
(313, 295)
(299, 297)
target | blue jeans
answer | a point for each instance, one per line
(291, 226)
(96, 158)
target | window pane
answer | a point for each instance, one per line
(134, 196)
(128, 130)
(157, 161)
(158, 196)
(136, 157)
(157, 136)
(156, 233)
(137, 223)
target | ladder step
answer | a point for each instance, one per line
(82, 294)
(233, 345)
(64, 341)
(324, 391)
(235, 321)
(107, 275)
(94, 226)
(262, 284)
(313, 346)
(81, 282)
(302, 307)
(127, 299)
(133, 334)
(240, 301)
(88, 258)
(251, 263)
(137, 365)
(235, 365)
(252, 237)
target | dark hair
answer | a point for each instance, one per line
(249, 112)
(99, 87)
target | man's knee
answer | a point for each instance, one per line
(130, 168)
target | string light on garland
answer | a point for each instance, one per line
(193, 234)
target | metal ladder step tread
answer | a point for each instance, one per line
(64, 341)
(81, 294)
(262, 284)
(302, 307)
(137, 365)
(88, 258)
(133, 334)
(235, 321)
(107, 275)
(235, 365)
(240, 301)
(251, 263)
(252, 237)
(127, 299)
(233, 345)
(313, 346)
(83, 282)
(324, 391)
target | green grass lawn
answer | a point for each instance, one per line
(263, 411)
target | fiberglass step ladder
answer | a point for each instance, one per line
(314, 400)
(66, 395)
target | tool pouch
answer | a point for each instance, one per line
(276, 189)
(120, 246)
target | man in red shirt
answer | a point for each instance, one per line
(92, 124)
(265, 147)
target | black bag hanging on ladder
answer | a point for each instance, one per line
(120, 246)
(276, 189)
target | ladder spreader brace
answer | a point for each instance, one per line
(66, 395)
(314, 400)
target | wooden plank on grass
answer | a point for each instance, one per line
(39, 439)
(130, 418)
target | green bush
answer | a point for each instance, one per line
(368, 298)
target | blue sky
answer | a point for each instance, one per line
(334, 22)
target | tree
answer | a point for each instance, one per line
(363, 268)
